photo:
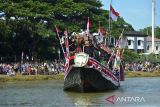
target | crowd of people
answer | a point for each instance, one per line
(56, 67)
(32, 68)
(89, 44)
(142, 66)
(95, 47)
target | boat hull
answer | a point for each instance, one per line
(91, 77)
(87, 79)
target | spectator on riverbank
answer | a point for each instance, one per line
(142, 66)
(32, 68)
(56, 67)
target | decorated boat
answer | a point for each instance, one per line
(85, 74)
(85, 70)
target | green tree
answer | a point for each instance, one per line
(148, 31)
(28, 24)
(130, 56)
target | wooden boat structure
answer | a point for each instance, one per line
(85, 74)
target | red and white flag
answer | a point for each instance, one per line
(88, 26)
(114, 15)
(67, 50)
(100, 35)
(66, 43)
(117, 60)
(100, 30)
(57, 31)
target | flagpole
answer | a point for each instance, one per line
(115, 48)
(60, 40)
(99, 26)
(66, 43)
(109, 37)
(153, 24)
(109, 29)
(88, 26)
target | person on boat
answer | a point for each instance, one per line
(95, 48)
(105, 53)
(78, 48)
(75, 44)
(79, 44)
(72, 45)
(117, 62)
(88, 48)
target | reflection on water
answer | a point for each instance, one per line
(51, 94)
(85, 99)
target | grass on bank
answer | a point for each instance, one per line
(5, 78)
(128, 74)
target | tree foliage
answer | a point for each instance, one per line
(28, 25)
(148, 31)
(130, 56)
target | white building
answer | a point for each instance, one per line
(136, 41)
(156, 46)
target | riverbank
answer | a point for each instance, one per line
(129, 74)
(5, 78)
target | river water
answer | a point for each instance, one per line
(140, 92)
